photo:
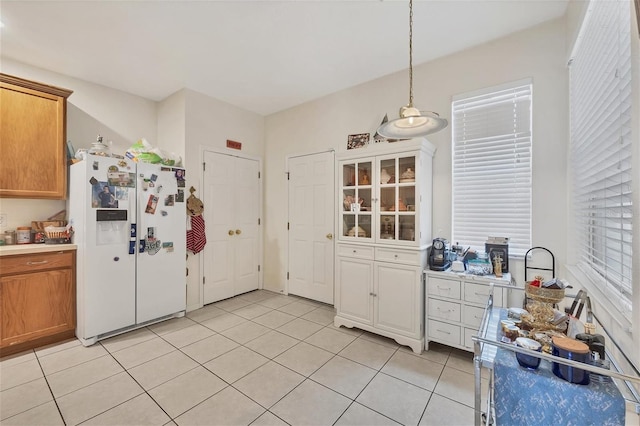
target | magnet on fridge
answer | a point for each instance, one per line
(132, 247)
(134, 229)
(168, 246)
(151, 233)
(153, 246)
(96, 165)
(93, 181)
(158, 189)
(113, 169)
(152, 203)
(151, 184)
(145, 184)
(154, 178)
(163, 212)
(141, 246)
(122, 163)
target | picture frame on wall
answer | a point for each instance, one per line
(357, 140)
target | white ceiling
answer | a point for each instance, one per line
(263, 56)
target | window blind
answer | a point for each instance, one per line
(491, 168)
(601, 151)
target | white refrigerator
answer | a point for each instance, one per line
(129, 221)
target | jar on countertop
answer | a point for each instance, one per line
(9, 238)
(23, 235)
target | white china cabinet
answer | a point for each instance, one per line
(384, 229)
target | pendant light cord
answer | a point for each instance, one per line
(411, 53)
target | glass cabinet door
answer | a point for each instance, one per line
(356, 190)
(396, 217)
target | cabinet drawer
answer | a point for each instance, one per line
(409, 257)
(35, 262)
(478, 293)
(360, 252)
(444, 333)
(468, 341)
(444, 288)
(473, 316)
(444, 310)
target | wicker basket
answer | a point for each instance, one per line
(57, 235)
(541, 294)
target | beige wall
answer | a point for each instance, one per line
(538, 53)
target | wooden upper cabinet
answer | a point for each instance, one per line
(32, 139)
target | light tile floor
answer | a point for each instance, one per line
(260, 358)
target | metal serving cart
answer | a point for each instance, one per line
(488, 350)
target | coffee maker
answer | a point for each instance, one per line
(439, 255)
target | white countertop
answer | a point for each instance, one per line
(34, 248)
(505, 279)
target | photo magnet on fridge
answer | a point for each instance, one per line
(117, 178)
(154, 178)
(168, 246)
(169, 200)
(103, 196)
(93, 181)
(152, 204)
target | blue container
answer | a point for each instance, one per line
(530, 362)
(575, 350)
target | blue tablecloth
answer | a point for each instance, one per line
(538, 397)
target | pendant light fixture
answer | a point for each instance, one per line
(412, 122)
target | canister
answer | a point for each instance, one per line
(23, 235)
(9, 237)
(575, 350)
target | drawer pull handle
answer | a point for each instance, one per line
(372, 294)
(442, 310)
(40, 262)
(395, 255)
(444, 288)
(442, 331)
(481, 294)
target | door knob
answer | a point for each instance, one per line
(330, 236)
(230, 232)
(238, 232)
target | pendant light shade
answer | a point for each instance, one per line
(412, 122)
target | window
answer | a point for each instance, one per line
(492, 166)
(601, 149)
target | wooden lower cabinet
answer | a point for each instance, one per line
(37, 300)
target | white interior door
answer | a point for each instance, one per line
(311, 212)
(231, 213)
(246, 219)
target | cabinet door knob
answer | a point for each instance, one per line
(115, 259)
(230, 231)
(329, 236)
(238, 232)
